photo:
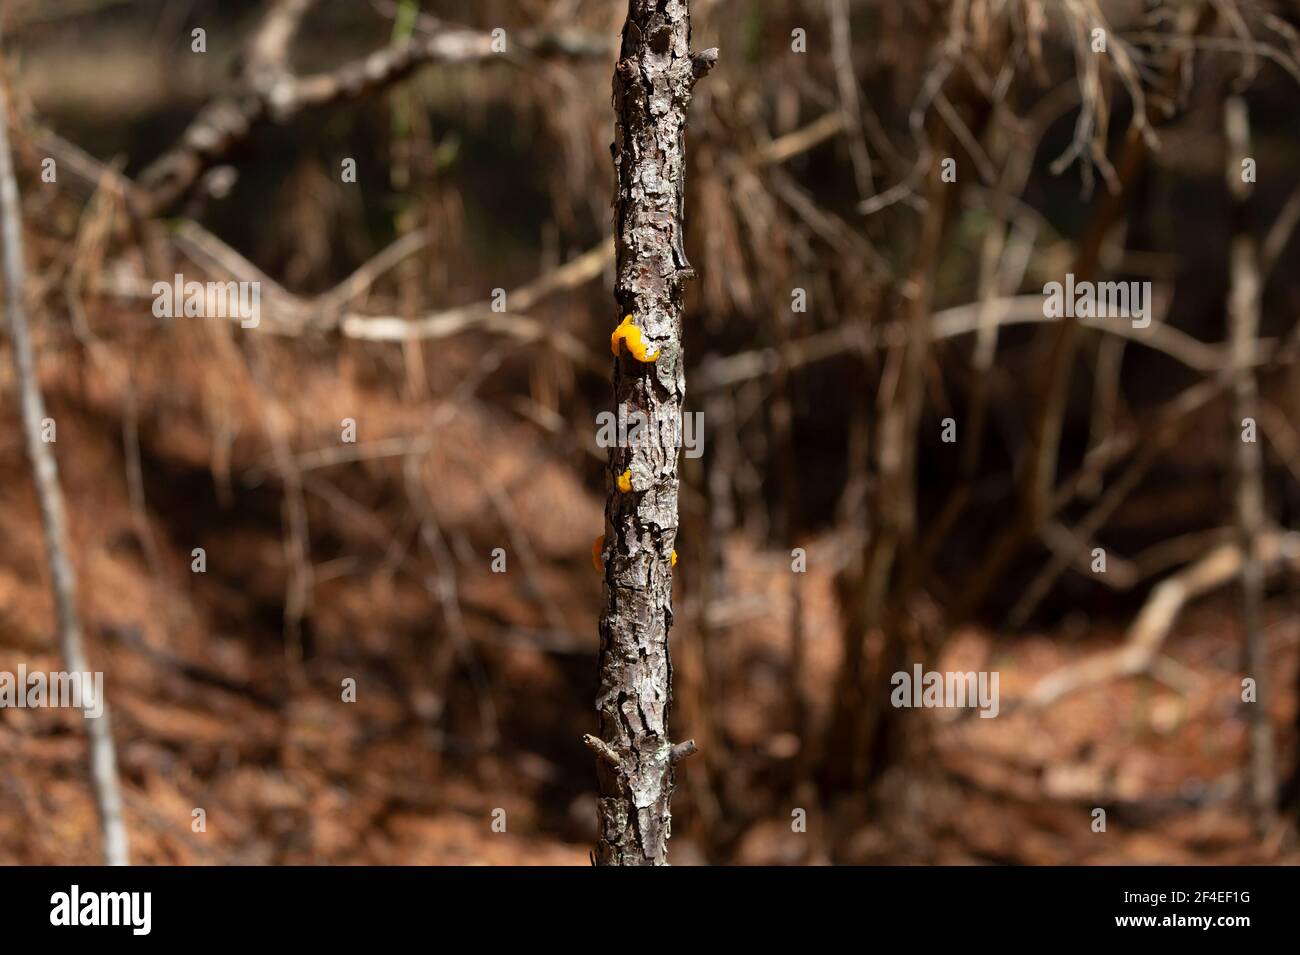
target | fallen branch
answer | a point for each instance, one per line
(1141, 644)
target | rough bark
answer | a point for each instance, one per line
(45, 473)
(653, 81)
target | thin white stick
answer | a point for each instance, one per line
(45, 472)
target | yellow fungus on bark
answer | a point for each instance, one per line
(674, 560)
(627, 332)
(625, 481)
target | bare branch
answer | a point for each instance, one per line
(682, 750)
(1243, 328)
(45, 472)
(603, 750)
(1148, 632)
(268, 92)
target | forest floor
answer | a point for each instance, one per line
(303, 778)
(211, 713)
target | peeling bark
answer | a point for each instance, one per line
(653, 82)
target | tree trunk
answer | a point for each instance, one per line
(1243, 332)
(653, 80)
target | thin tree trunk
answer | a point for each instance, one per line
(45, 472)
(857, 732)
(653, 81)
(1243, 321)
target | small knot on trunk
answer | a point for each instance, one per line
(702, 63)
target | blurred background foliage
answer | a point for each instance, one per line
(814, 154)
